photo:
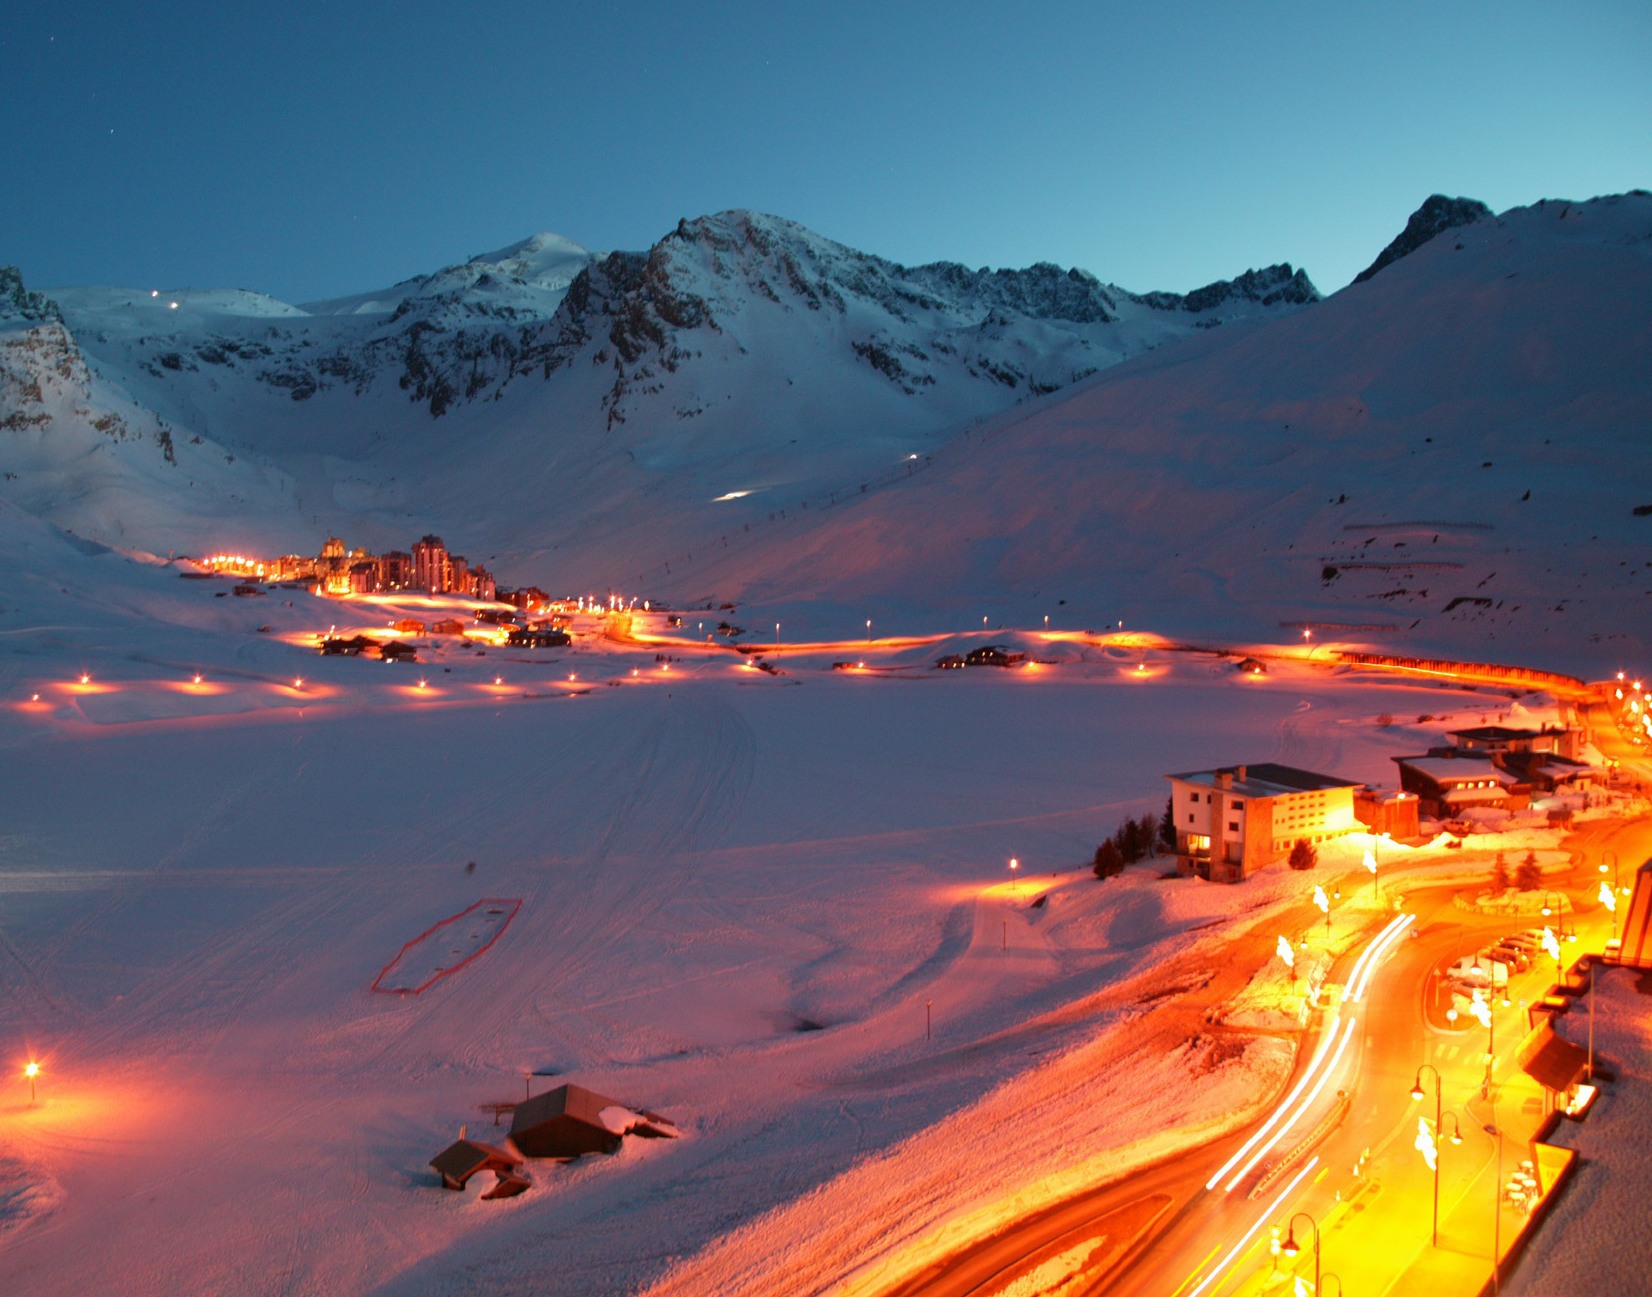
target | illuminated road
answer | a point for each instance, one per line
(1363, 1182)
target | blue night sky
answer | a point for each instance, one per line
(309, 149)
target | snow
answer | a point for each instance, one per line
(774, 909)
(202, 882)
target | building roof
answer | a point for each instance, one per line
(573, 1101)
(1492, 733)
(1551, 1060)
(464, 1157)
(1267, 779)
(1443, 769)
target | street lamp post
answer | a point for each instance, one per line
(31, 1070)
(1291, 1247)
(1480, 1007)
(1497, 1212)
(1428, 1145)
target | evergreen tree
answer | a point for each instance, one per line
(1529, 877)
(1129, 841)
(1500, 875)
(1108, 860)
(1147, 830)
(1304, 855)
(1167, 826)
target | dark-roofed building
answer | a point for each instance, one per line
(570, 1121)
(465, 1157)
(1447, 784)
(565, 1122)
(1548, 772)
(1506, 738)
(537, 637)
(1234, 820)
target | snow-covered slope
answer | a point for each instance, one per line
(563, 389)
(1444, 455)
(1452, 454)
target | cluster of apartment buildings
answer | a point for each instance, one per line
(338, 570)
(1234, 820)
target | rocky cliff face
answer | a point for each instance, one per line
(1437, 214)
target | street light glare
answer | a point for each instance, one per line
(32, 1070)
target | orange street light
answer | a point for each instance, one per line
(31, 1070)
(1425, 1142)
(1291, 1247)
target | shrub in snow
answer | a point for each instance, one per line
(1304, 855)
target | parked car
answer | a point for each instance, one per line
(1516, 961)
(1474, 971)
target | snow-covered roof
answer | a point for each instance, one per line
(1266, 779)
(1500, 732)
(1454, 769)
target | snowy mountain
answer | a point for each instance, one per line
(741, 352)
(1452, 455)
(1442, 454)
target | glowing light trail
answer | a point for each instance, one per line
(1301, 1108)
(1325, 1044)
(1261, 1220)
(1378, 949)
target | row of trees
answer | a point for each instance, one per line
(1135, 840)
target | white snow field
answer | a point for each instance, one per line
(741, 896)
(773, 908)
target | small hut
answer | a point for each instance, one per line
(570, 1121)
(465, 1157)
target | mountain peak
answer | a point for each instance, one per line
(1436, 214)
(20, 303)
